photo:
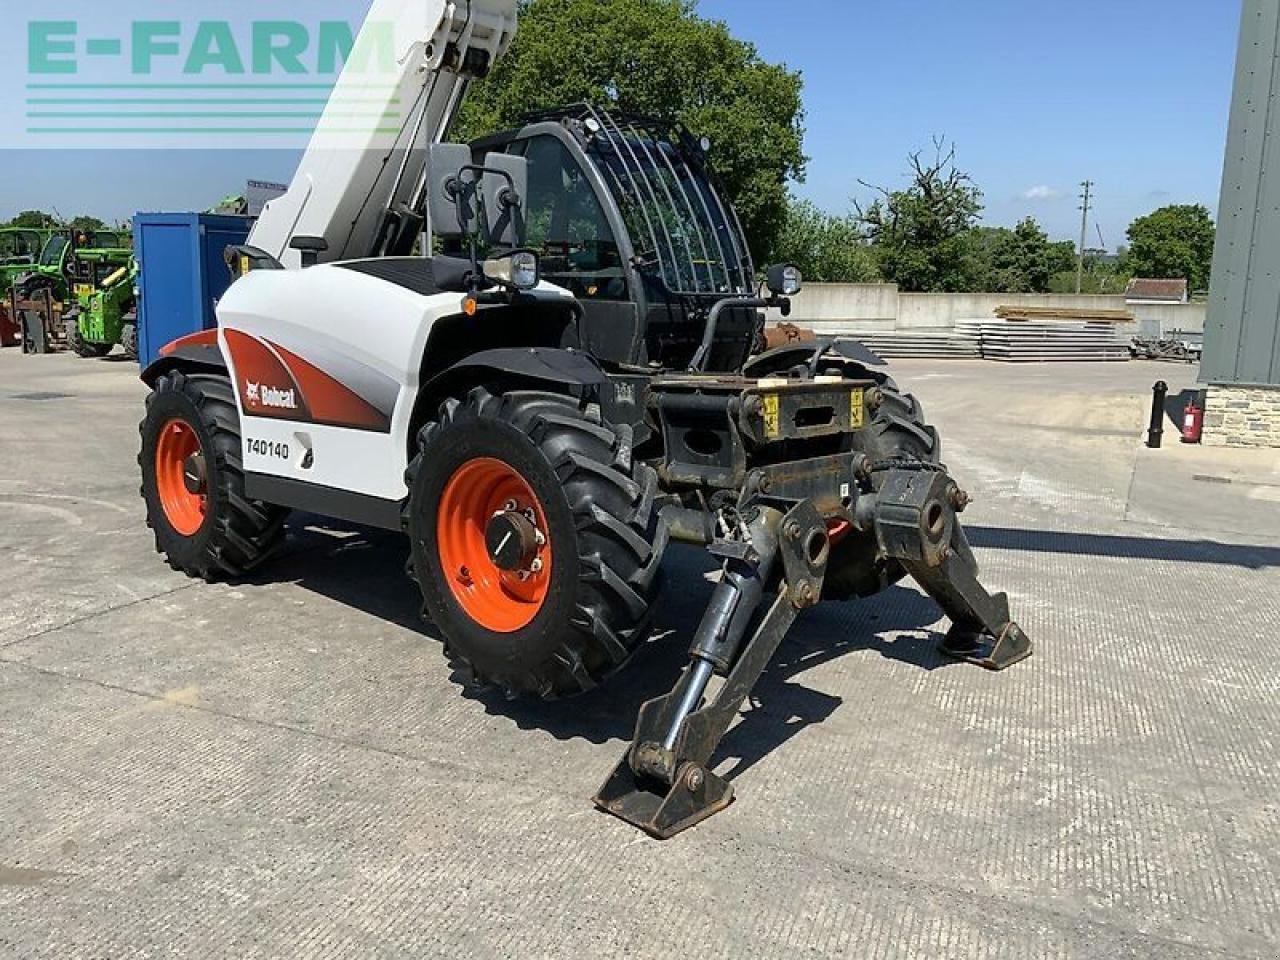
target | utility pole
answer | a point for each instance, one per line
(1087, 197)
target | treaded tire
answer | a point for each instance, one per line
(236, 534)
(81, 347)
(606, 540)
(897, 431)
(129, 340)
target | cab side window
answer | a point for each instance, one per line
(567, 225)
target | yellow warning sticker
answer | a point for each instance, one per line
(857, 409)
(772, 416)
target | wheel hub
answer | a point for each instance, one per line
(494, 545)
(512, 541)
(194, 475)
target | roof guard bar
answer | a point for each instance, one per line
(711, 222)
(699, 224)
(635, 189)
(653, 195)
(644, 141)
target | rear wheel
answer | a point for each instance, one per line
(535, 541)
(193, 481)
(82, 347)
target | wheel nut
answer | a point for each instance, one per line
(536, 566)
(511, 506)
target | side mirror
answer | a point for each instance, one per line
(784, 280)
(451, 208)
(504, 186)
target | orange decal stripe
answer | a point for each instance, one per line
(205, 338)
(330, 401)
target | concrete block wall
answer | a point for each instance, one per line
(935, 310)
(1242, 417)
(843, 307)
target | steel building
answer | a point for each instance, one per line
(1242, 335)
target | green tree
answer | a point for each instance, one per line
(827, 248)
(1173, 243)
(1021, 260)
(920, 234)
(658, 58)
(34, 219)
(87, 224)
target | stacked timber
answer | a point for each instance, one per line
(1064, 315)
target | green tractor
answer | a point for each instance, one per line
(105, 315)
(72, 264)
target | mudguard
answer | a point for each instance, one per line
(552, 368)
(199, 351)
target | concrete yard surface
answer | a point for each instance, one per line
(285, 768)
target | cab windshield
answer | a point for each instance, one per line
(685, 236)
(52, 255)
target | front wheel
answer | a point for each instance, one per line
(535, 541)
(82, 347)
(193, 481)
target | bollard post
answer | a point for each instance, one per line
(1155, 436)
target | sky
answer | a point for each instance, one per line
(1037, 96)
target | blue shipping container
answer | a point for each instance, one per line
(182, 274)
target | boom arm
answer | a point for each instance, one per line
(360, 188)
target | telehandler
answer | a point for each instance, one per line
(561, 389)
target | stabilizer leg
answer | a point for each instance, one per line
(917, 524)
(663, 785)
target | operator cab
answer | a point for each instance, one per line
(19, 247)
(624, 213)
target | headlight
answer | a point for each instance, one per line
(519, 270)
(785, 280)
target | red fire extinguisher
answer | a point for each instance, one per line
(1192, 423)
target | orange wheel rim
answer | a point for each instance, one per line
(183, 496)
(498, 599)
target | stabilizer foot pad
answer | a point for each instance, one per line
(1012, 646)
(659, 810)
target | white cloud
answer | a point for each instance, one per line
(1041, 192)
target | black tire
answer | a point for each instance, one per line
(129, 340)
(606, 540)
(81, 347)
(897, 431)
(236, 534)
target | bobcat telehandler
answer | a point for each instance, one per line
(543, 420)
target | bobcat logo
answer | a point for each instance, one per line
(257, 395)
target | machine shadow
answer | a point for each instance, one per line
(1133, 548)
(780, 707)
(364, 569)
